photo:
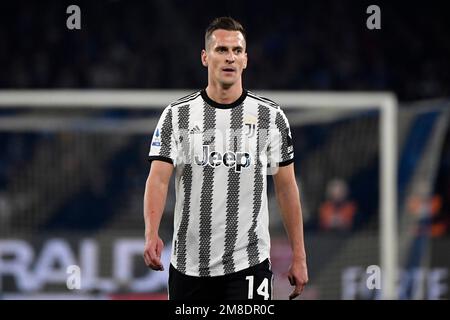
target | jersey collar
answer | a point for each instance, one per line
(214, 104)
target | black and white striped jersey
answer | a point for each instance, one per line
(222, 155)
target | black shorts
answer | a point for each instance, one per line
(254, 283)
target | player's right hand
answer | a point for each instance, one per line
(152, 253)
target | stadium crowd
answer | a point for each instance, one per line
(306, 45)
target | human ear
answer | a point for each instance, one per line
(204, 58)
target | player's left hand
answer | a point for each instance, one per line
(298, 277)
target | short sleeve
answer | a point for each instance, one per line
(281, 147)
(163, 146)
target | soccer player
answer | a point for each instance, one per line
(222, 142)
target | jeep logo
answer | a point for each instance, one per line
(229, 159)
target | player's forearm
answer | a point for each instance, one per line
(289, 202)
(154, 203)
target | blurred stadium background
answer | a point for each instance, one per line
(72, 177)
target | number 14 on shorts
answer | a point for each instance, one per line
(263, 288)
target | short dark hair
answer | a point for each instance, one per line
(224, 23)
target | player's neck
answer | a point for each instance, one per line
(223, 95)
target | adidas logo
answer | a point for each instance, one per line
(196, 129)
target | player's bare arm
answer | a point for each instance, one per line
(154, 202)
(288, 199)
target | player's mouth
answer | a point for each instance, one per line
(229, 70)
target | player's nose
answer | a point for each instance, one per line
(230, 58)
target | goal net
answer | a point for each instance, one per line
(72, 174)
